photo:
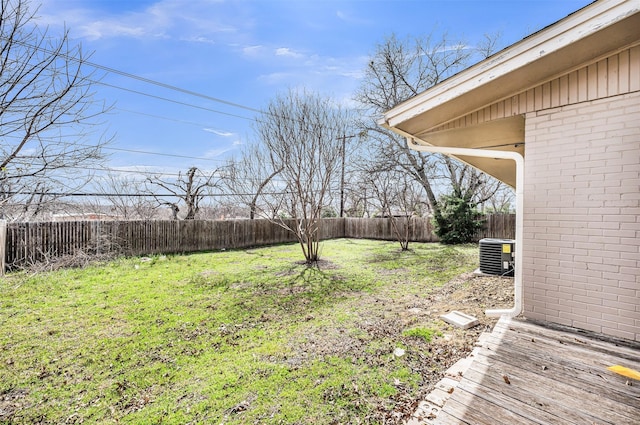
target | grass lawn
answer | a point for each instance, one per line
(247, 336)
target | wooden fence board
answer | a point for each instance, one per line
(36, 241)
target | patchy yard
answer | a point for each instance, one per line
(247, 336)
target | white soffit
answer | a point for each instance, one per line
(504, 134)
(587, 34)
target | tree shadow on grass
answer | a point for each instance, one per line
(296, 291)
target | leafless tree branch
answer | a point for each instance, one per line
(46, 107)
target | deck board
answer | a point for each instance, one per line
(589, 373)
(528, 411)
(526, 373)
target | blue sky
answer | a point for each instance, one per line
(245, 52)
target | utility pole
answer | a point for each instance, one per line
(344, 142)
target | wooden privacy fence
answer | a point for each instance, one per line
(33, 242)
(500, 226)
(420, 229)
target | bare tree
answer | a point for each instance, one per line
(397, 197)
(501, 202)
(184, 193)
(358, 195)
(124, 196)
(476, 186)
(302, 133)
(47, 113)
(252, 177)
(398, 70)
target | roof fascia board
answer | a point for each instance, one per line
(562, 34)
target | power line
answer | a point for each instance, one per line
(149, 173)
(153, 96)
(179, 89)
(161, 117)
(171, 87)
(134, 76)
(116, 170)
(159, 84)
(139, 151)
(132, 195)
(174, 101)
(171, 155)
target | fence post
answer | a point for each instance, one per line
(3, 245)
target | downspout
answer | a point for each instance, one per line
(413, 144)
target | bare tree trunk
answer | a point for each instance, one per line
(190, 189)
(263, 184)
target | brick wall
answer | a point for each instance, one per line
(582, 216)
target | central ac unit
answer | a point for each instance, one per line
(497, 256)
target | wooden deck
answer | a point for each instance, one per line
(530, 374)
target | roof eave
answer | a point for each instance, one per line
(545, 46)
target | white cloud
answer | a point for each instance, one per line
(276, 77)
(199, 21)
(252, 50)
(100, 29)
(218, 132)
(285, 51)
(453, 48)
(199, 39)
(355, 73)
(214, 153)
(346, 17)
